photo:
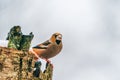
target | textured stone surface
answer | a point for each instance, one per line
(19, 65)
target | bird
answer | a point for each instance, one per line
(49, 48)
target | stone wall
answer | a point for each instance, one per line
(19, 65)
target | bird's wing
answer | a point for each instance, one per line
(43, 45)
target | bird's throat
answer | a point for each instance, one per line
(58, 41)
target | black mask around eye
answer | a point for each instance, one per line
(58, 41)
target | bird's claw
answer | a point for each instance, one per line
(48, 61)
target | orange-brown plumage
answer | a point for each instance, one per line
(49, 48)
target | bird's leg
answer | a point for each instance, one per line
(48, 62)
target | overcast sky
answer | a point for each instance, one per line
(90, 28)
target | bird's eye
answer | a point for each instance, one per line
(55, 36)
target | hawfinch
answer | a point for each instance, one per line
(49, 48)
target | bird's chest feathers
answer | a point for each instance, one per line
(53, 49)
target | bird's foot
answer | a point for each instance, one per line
(51, 65)
(49, 62)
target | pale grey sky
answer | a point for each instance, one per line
(90, 28)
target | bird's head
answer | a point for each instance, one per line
(56, 37)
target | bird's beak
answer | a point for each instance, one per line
(59, 37)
